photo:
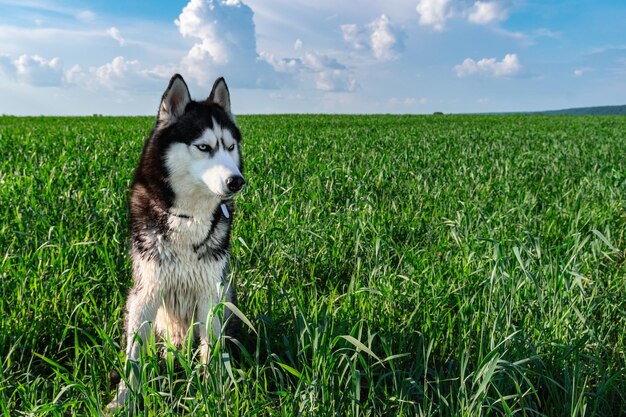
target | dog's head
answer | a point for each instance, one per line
(199, 141)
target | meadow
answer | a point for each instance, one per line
(387, 266)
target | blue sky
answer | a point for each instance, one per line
(327, 56)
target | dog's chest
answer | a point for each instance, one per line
(191, 255)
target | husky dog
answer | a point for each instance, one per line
(181, 211)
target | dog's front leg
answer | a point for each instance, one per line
(204, 315)
(141, 309)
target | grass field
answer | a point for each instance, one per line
(388, 265)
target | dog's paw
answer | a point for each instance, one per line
(116, 403)
(112, 408)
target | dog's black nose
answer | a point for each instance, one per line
(235, 183)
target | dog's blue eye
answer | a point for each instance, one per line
(231, 147)
(203, 147)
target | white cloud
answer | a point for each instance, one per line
(547, 33)
(519, 36)
(115, 34)
(33, 70)
(204, 19)
(282, 65)
(76, 75)
(321, 62)
(484, 12)
(326, 72)
(85, 15)
(510, 66)
(227, 44)
(117, 72)
(380, 36)
(335, 80)
(120, 74)
(386, 40)
(579, 72)
(297, 44)
(434, 12)
(354, 36)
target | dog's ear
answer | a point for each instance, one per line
(174, 101)
(220, 95)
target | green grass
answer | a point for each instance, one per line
(390, 265)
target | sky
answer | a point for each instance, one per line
(325, 56)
